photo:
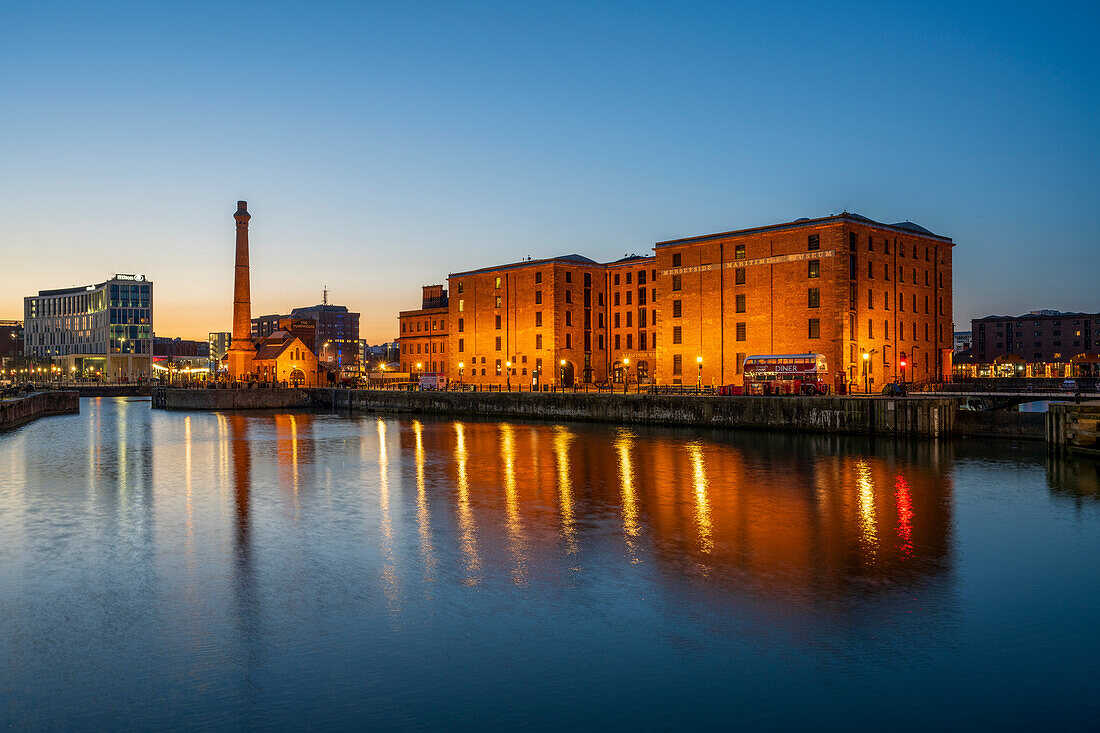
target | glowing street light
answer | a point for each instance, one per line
(699, 361)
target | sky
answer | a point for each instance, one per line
(381, 146)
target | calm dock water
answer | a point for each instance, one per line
(254, 569)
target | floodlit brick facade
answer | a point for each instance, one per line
(691, 313)
(422, 344)
(840, 286)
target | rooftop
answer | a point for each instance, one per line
(906, 226)
(573, 259)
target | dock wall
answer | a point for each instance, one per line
(168, 398)
(20, 410)
(912, 417)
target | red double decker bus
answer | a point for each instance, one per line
(786, 374)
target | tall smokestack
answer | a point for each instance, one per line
(241, 350)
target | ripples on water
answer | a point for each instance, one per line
(212, 570)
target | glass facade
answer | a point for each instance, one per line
(115, 317)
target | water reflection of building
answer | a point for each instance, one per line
(817, 515)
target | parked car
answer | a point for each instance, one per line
(1069, 385)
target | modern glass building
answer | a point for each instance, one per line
(97, 331)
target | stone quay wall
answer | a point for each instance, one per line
(169, 398)
(20, 410)
(906, 417)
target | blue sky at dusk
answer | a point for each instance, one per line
(381, 146)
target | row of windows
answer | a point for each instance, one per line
(436, 348)
(813, 244)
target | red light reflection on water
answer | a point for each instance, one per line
(905, 515)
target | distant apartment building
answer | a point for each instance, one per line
(1038, 336)
(217, 345)
(177, 348)
(336, 333)
(264, 326)
(422, 338)
(104, 329)
(842, 286)
(11, 340)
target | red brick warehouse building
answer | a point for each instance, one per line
(422, 342)
(840, 285)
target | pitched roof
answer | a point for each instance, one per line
(799, 223)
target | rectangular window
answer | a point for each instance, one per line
(601, 342)
(886, 300)
(616, 278)
(538, 318)
(677, 335)
(677, 282)
(870, 243)
(616, 300)
(588, 279)
(739, 252)
(870, 300)
(740, 302)
(853, 241)
(538, 297)
(813, 269)
(538, 277)
(870, 329)
(676, 260)
(641, 318)
(641, 277)
(461, 305)
(886, 272)
(628, 277)
(739, 276)
(461, 345)
(641, 296)
(601, 320)
(870, 270)
(741, 331)
(568, 296)
(814, 298)
(498, 343)
(498, 323)
(616, 318)
(677, 308)
(628, 318)
(813, 242)
(538, 340)
(628, 294)
(641, 341)
(629, 341)
(498, 301)
(568, 276)
(815, 328)
(568, 340)
(460, 287)
(677, 364)
(498, 284)
(569, 318)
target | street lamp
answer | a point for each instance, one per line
(461, 366)
(626, 374)
(508, 374)
(562, 374)
(866, 376)
(699, 361)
